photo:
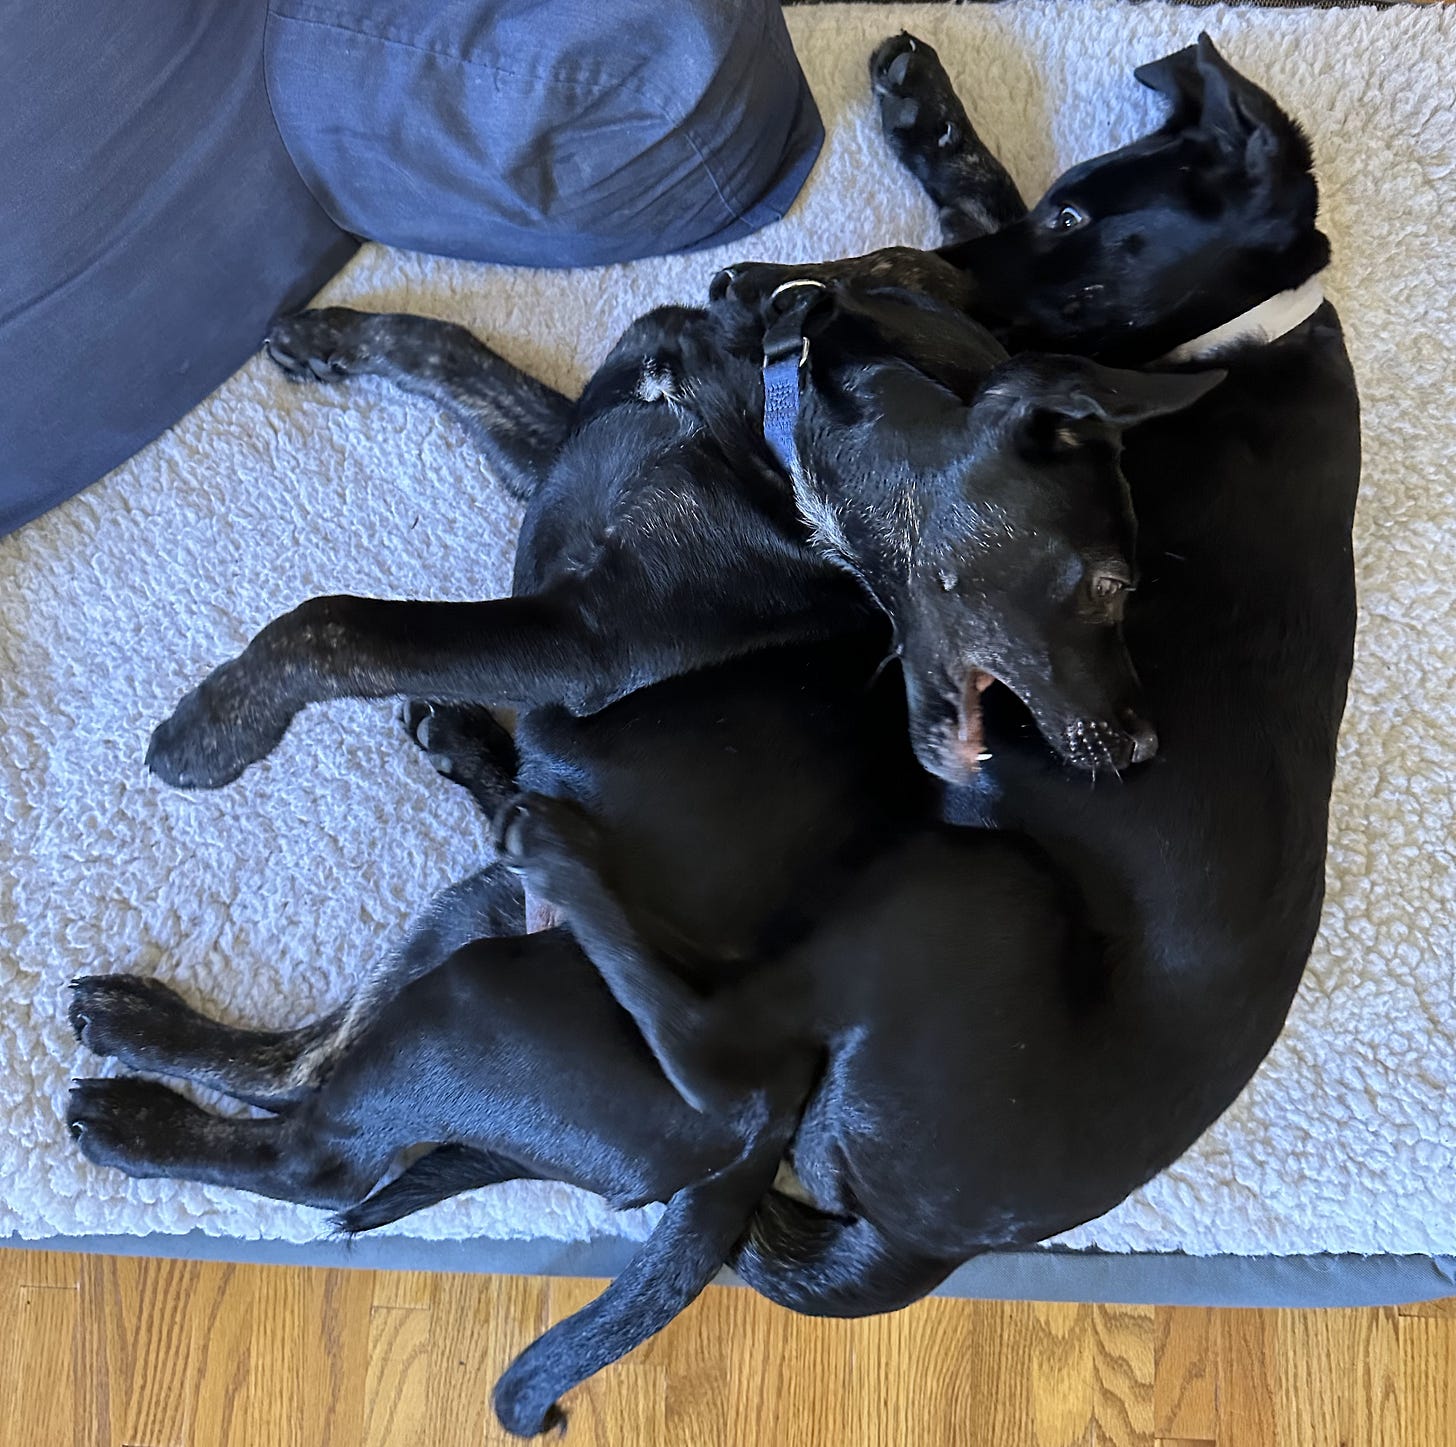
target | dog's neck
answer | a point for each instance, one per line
(1271, 319)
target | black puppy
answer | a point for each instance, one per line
(607, 600)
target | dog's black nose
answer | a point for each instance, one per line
(1143, 735)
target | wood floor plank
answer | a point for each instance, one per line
(1124, 1349)
(1185, 1392)
(405, 1288)
(222, 1321)
(1427, 1380)
(1444, 1307)
(478, 1325)
(51, 1268)
(1247, 1379)
(397, 1378)
(310, 1346)
(137, 1316)
(1337, 1377)
(1062, 1387)
(42, 1400)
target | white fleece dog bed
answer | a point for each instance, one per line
(266, 899)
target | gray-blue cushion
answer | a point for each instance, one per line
(153, 223)
(543, 132)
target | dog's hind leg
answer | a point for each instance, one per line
(932, 137)
(518, 423)
(146, 1130)
(147, 1026)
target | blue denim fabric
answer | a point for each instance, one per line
(152, 221)
(543, 132)
(150, 225)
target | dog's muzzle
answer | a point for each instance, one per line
(1096, 744)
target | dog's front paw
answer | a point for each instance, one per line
(130, 1125)
(217, 730)
(920, 112)
(465, 743)
(546, 840)
(140, 1021)
(323, 345)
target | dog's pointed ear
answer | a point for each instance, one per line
(1245, 121)
(1179, 81)
(1081, 401)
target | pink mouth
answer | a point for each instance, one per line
(969, 748)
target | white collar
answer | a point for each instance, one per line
(1262, 324)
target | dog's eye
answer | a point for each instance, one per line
(1069, 218)
(1108, 585)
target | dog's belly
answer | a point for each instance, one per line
(735, 800)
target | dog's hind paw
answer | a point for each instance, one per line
(113, 1120)
(920, 112)
(322, 346)
(926, 126)
(139, 1020)
(546, 839)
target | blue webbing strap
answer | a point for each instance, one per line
(785, 355)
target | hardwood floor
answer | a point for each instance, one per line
(108, 1352)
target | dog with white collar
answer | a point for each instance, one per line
(1202, 870)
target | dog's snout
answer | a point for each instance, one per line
(1097, 743)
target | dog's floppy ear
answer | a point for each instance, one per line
(1078, 401)
(1178, 80)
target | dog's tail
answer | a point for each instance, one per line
(444, 1172)
(824, 1265)
(680, 1258)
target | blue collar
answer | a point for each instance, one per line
(785, 358)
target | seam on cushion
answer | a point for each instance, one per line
(735, 211)
(278, 130)
(325, 20)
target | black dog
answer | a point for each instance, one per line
(1047, 1053)
(1204, 873)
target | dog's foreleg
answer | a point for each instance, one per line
(932, 137)
(558, 849)
(147, 1026)
(517, 422)
(572, 647)
(512, 652)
